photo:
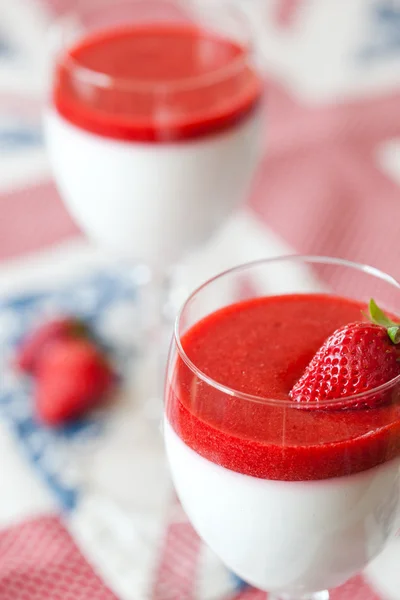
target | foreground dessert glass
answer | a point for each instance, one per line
(295, 501)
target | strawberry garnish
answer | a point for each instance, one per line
(71, 379)
(355, 359)
(36, 343)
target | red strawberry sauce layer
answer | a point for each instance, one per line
(262, 347)
(169, 58)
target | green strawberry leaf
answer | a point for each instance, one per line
(394, 334)
(377, 315)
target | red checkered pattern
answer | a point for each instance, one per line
(40, 561)
(356, 589)
(57, 7)
(33, 217)
(286, 11)
(321, 169)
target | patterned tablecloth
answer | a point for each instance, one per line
(89, 512)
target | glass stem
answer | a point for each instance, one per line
(157, 313)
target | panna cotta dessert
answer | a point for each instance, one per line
(294, 495)
(153, 130)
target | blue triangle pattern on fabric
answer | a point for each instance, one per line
(50, 450)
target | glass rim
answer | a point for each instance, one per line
(346, 401)
(103, 80)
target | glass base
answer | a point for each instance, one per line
(324, 595)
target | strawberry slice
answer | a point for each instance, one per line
(71, 379)
(356, 358)
(33, 347)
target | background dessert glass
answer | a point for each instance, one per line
(149, 165)
(297, 535)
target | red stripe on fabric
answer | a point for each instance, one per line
(57, 7)
(355, 589)
(286, 12)
(320, 185)
(40, 561)
(32, 218)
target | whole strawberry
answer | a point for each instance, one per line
(355, 359)
(33, 347)
(72, 378)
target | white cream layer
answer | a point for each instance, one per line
(283, 535)
(152, 201)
